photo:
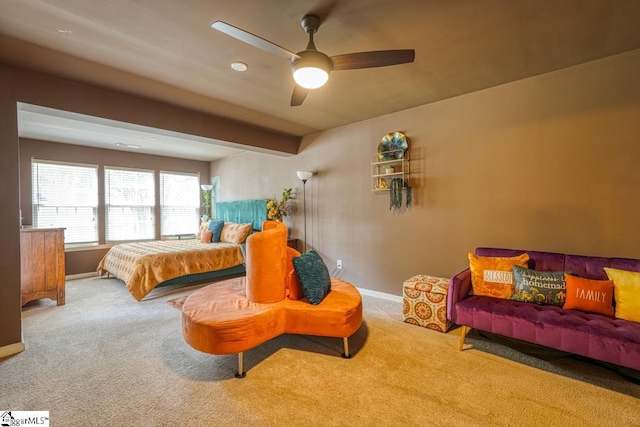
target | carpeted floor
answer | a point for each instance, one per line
(105, 359)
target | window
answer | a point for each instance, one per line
(66, 195)
(129, 204)
(179, 203)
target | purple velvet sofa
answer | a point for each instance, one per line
(592, 335)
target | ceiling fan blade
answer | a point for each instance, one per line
(379, 58)
(253, 40)
(298, 95)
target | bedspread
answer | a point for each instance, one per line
(144, 265)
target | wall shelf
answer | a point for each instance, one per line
(383, 171)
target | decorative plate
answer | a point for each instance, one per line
(392, 146)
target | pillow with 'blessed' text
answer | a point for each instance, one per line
(493, 276)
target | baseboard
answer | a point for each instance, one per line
(81, 275)
(383, 295)
(11, 349)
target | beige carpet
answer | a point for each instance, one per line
(105, 359)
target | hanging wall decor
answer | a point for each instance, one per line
(395, 194)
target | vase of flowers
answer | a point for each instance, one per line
(278, 209)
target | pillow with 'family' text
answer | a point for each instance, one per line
(593, 296)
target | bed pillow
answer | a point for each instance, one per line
(203, 226)
(235, 233)
(626, 291)
(313, 275)
(540, 287)
(593, 296)
(493, 276)
(206, 236)
(216, 227)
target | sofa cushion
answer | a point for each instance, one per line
(313, 275)
(339, 314)
(626, 293)
(266, 264)
(493, 276)
(592, 335)
(591, 267)
(540, 287)
(294, 290)
(594, 296)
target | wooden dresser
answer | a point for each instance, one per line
(42, 264)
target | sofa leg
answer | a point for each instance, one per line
(463, 334)
(346, 354)
(241, 373)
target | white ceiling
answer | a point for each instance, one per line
(48, 124)
(166, 50)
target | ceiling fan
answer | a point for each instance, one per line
(311, 67)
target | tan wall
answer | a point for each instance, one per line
(547, 163)
(10, 322)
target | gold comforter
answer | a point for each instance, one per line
(143, 265)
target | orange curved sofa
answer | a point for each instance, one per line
(239, 314)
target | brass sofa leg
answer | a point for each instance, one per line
(241, 373)
(345, 341)
(463, 334)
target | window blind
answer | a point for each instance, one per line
(179, 203)
(129, 204)
(66, 195)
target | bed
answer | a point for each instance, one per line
(143, 266)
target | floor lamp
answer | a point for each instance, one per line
(304, 177)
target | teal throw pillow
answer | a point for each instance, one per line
(540, 287)
(313, 275)
(216, 225)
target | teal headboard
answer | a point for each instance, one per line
(243, 211)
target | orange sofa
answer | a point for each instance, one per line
(239, 314)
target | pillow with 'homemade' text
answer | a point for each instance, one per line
(540, 287)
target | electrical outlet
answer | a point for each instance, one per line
(339, 263)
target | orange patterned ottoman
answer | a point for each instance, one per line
(424, 302)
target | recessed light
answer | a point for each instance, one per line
(65, 31)
(239, 66)
(122, 144)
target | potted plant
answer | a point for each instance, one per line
(276, 210)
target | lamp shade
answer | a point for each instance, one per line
(312, 69)
(304, 175)
(206, 187)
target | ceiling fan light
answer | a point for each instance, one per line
(312, 69)
(310, 77)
